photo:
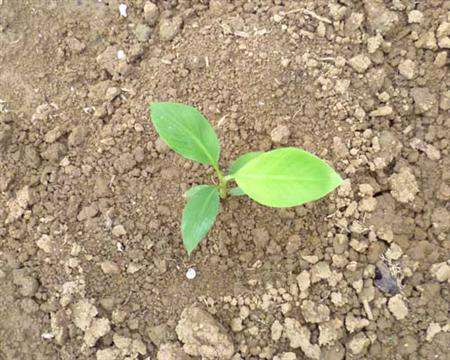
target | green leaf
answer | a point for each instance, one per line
(199, 214)
(236, 191)
(286, 177)
(186, 131)
(242, 160)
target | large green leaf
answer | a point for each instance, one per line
(199, 214)
(286, 177)
(186, 131)
(242, 160)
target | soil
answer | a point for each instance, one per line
(91, 260)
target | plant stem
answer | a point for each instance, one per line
(223, 181)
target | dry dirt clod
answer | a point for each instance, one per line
(407, 68)
(424, 100)
(204, 336)
(299, 337)
(28, 285)
(142, 32)
(398, 307)
(360, 63)
(403, 185)
(109, 267)
(108, 354)
(441, 271)
(99, 328)
(380, 19)
(330, 332)
(280, 135)
(151, 13)
(171, 351)
(170, 27)
(315, 313)
(358, 344)
(83, 312)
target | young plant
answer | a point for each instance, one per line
(283, 177)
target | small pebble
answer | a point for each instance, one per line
(121, 55)
(123, 10)
(191, 273)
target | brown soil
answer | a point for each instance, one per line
(90, 200)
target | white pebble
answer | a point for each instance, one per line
(123, 10)
(47, 336)
(121, 55)
(191, 273)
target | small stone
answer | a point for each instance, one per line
(358, 344)
(119, 231)
(236, 325)
(191, 273)
(407, 68)
(415, 17)
(432, 331)
(424, 100)
(280, 135)
(382, 111)
(360, 63)
(276, 330)
(123, 10)
(109, 267)
(403, 185)
(441, 271)
(170, 27)
(151, 13)
(142, 32)
(45, 243)
(398, 307)
(441, 59)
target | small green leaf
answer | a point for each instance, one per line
(242, 160)
(286, 177)
(199, 214)
(192, 191)
(236, 191)
(186, 131)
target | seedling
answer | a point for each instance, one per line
(283, 177)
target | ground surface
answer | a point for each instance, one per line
(91, 260)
